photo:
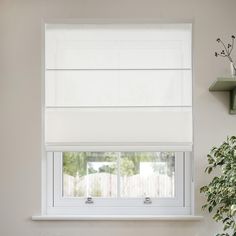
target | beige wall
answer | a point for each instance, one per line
(20, 88)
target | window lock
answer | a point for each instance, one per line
(89, 200)
(147, 200)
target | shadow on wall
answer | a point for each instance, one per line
(221, 98)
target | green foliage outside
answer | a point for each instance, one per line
(221, 191)
(76, 163)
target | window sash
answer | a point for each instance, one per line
(57, 204)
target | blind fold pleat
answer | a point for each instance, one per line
(123, 88)
(122, 125)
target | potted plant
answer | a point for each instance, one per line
(221, 191)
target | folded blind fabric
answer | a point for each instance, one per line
(118, 83)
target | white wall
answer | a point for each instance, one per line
(20, 81)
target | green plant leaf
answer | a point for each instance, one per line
(220, 192)
(233, 209)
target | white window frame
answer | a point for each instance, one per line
(50, 207)
(178, 205)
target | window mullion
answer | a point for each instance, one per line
(118, 175)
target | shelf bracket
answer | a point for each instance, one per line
(226, 84)
(233, 101)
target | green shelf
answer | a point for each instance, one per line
(223, 84)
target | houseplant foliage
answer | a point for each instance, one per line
(221, 191)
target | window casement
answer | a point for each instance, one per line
(118, 119)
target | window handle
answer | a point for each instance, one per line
(147, 200)
(89, 200)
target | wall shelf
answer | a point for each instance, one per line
(223, 84)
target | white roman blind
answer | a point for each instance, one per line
(118, 83)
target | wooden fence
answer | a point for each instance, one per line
(105, 185)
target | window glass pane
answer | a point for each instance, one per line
(147, 174)
(89, 174)
(140, 174)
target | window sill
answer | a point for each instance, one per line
(116, 217)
